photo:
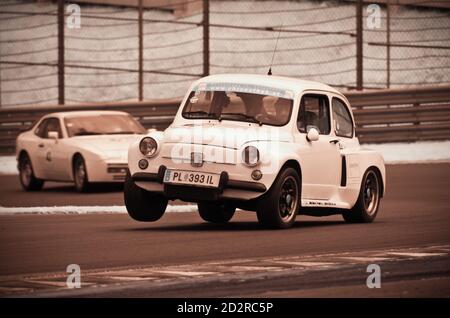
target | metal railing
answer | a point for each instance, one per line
(402, 115)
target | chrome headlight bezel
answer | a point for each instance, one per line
(148, 147)
(250, 156)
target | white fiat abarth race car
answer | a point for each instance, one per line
(278, 146)
(79, 146)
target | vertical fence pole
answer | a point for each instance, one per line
(388, 44)
(61, 98)
(0, 85)
(141, 53)
(359, 45)
(205, 37)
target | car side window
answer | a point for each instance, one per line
(39, 131)
(343, 123)
(52, 124)
(314, 112)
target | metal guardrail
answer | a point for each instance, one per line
(395, 115)
(402, 115)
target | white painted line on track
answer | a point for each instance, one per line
(366, 259)
(408, 254)
(306, 264)
(183, 273)
(73, 209)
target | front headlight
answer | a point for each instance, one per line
(148, 146)
(250, 156)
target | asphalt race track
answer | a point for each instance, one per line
(184, 257)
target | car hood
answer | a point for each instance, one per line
(106, 146)
(226, 134)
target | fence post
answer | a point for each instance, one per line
(205, 37)
(141, 53)
(0, 86)
(61, 98)
(359, 45)
(388, 44)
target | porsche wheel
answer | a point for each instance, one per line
(27, 178)
(143, 205)
(279, 207)
(80, 175)
(366, 207)
(216, 212)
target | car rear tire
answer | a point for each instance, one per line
(28, 180)
(366, 207)
(142, 205)
(80, 175)
(216, 212)
(278, 208)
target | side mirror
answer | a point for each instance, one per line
(313, 134)
(53, 135)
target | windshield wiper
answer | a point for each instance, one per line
(198, 114)
(252, 118)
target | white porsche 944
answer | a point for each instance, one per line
(278, 146)
(79, 146)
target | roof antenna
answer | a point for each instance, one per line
(274, 50)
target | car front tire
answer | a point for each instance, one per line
(142, 205)
(216, 212)
(80, 175)
(368, 202)
(278, 208)
(28, 180)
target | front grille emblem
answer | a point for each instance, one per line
(196, 159)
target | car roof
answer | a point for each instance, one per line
(294, 84)
(80, 113)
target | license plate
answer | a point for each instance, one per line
(192, 178)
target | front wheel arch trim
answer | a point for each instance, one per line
(292, 163)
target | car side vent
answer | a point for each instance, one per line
(344, 172)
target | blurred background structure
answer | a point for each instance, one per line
(130, 50)
(391, 58)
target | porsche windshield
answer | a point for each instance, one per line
(238, 106)
(105, 124)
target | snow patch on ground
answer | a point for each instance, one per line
(417, 152)
(72, 209)
(8, 165)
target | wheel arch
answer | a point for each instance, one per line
(379, 175)
(294, 164)
(76, 155)
(22, 152)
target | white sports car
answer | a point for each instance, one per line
(278, 146)
(79, 146)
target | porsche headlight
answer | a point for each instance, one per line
(148, 146)
(250, 156)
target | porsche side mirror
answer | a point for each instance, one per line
(313, 134)
(53, 135)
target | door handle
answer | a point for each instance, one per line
(334, 141)
(41, 145)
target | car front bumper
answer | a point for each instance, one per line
(101, 171)
(228, 188)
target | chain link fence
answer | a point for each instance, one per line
(314, 40)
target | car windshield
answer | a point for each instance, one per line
(105, 124)
(239, 106)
